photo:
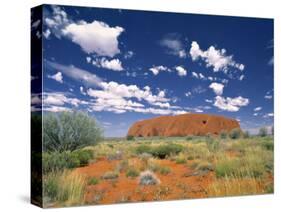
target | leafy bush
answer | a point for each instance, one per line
(148, 178)
(164, 170)
(57, 161)
(263, 132)
(143, 149)
(132, 173)
(83, 156)
(235, 133)
(69, 131)
(93, 181)
(110, 175)
(130, 138)
(163, 151)
(223, 134)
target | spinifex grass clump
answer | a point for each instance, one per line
(67, 188)
(148, 178)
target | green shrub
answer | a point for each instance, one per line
(223, 134)
(189, 138)
(57, 161)
(132, 173)
(69, 131)
(263, 132)
(130, 138)
(164, 170)
(83, 156)
(235, 133)
(227, 167)
(163, 151)
(93, 181)
(143, 149)
(268, 145)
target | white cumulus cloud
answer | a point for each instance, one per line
(217, 88)
(230, 104)
(58, 77)
(181, 71)
(213, 57)
(114, 64)
(156, 69)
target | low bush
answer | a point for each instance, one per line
(141, 149)
(148, 178)
(223, 134)
(227, 167)
(164, 170)
(163, 151)
(132, 173)
(130, 138)
(57, 161)
(93, 181)
(235, 133)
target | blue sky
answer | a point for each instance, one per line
(122, 65)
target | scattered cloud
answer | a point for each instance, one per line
(174, 45)
(257, 108)
(129, 54)
(188, 94)
(75, 73)
(217, 88)
(114, 64)
(268, 115)
(57, 77)
(268, 96)
(241, 77)
(230, 104)
(215, 58)
(82, 91)
(271, 61)
(181, 71)
(156, 69)
(47, 33)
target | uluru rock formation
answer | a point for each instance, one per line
(183, 125)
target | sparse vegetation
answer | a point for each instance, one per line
(132, 173)
(227, 167)
(93, 181)
(148, 178)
